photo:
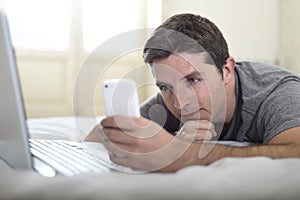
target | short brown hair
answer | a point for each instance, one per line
(187, 33)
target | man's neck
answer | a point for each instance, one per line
(230, 101)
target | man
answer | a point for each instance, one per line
(204, 97)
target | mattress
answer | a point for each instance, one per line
(228, 178)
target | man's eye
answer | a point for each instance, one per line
(193, 80)
(163, 88)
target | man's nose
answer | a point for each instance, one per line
(181, 99)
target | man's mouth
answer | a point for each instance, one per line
(190, 116)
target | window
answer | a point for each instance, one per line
(52, 39)
(39, 25)
(102, 21)
(47, 24)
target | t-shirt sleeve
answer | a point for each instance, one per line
(281, 110)
(156, 110)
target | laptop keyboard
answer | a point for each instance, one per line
(70, 158)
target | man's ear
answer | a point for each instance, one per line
(228, 70)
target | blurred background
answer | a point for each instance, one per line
(54, 38)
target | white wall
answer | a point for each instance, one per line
(251, 27)
(290, 40)
(257, 30)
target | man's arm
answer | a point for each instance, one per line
(96, 135)
(143, 149)
(284, 145)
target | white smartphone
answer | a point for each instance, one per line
(121, 97)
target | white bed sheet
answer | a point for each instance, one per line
(228, 178)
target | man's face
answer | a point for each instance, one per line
(191, 88)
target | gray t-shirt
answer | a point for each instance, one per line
(268, 102)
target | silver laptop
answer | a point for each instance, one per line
(49, 157)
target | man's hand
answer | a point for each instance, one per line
(198, 130)
(96, 135)
(142, 144)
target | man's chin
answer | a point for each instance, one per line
(185, 119)
(194, 118)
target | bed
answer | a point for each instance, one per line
(228, 178)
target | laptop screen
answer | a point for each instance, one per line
(14, 148)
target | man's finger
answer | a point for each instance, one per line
(117, 136)
(198, 136)
(124, 123)
(201, 124)
(96, 135)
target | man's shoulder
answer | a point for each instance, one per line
(261, 69)
(264, 88)
(257, 81)
(255, 76)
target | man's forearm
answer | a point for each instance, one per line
(218, 151)
(272, 151)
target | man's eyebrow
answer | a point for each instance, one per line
(162, 83)
(194, 73)
(159, 83)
